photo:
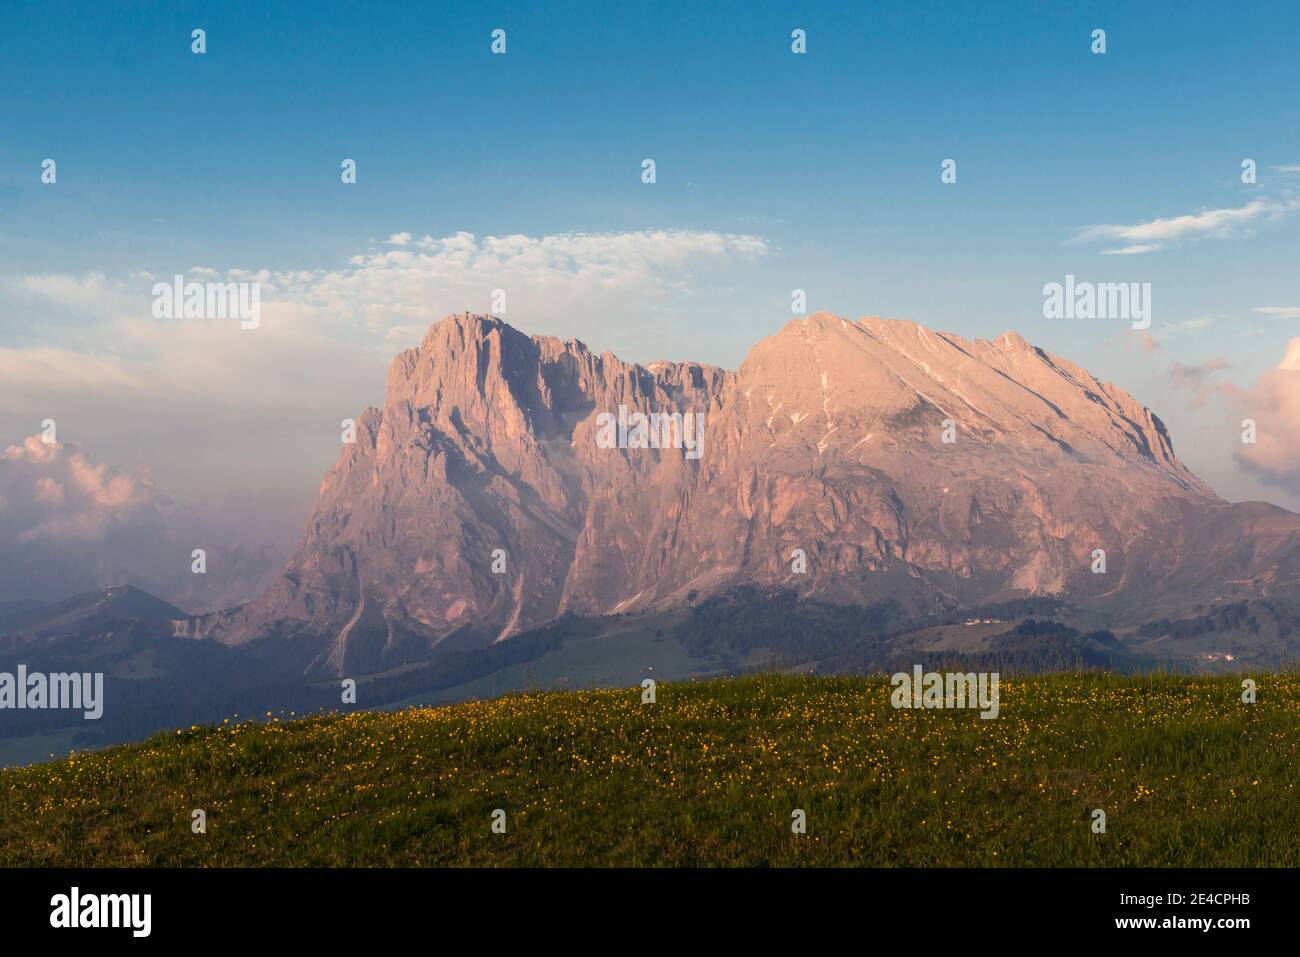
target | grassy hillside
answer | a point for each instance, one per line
(710, 774)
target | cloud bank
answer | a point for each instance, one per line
(70, 524)
(1274, 404)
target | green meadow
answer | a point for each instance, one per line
(712, 773)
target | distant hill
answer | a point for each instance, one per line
(90, 613)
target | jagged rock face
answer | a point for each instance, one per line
(904, 463)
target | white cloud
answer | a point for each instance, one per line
(1131, 250)
(1157, 233)
(1279, 312)
(1168, 330)
(69, 524)
(329, 319)
(54, 493)
(567, 283)
(1274, 404)
(88, 293)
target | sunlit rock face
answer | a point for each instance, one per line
(510, 479)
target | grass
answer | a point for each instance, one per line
(709, 775)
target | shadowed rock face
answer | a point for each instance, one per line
(829, 439)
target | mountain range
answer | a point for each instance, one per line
(849, 462)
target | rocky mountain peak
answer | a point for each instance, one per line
(506, 481)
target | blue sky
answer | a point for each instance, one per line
(169, 161)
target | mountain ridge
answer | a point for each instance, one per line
(903, 464)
